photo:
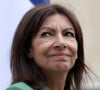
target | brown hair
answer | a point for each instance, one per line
(26, 70)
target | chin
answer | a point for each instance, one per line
(63, 67)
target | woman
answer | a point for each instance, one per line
(47, 50)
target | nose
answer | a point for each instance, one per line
(60, 43)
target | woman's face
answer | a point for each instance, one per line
(55, 47)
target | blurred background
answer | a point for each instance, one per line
(88, 13)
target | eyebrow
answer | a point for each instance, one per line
(69, 28)
(49, 28)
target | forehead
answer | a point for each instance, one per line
(57, 19)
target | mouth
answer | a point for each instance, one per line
(60, 56)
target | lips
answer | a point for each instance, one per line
(60, 54)
(60, 57)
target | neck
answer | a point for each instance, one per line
(56, 81)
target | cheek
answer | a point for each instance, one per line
(40, 49)
(75, 53)
(38, 56)
(74, 49)
(42, 46)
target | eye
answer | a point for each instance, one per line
(46, 34)
(69, 34)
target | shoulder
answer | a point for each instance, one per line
(19, 86)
